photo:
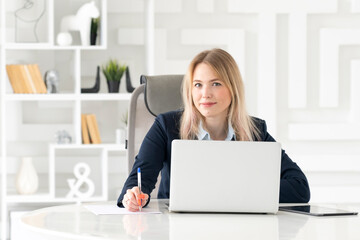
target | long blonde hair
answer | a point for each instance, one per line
(227, 70)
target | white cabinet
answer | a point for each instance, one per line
(29, 122)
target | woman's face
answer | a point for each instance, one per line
(210, 95)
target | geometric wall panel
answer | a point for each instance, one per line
(330, 41)
(124, 6)
(267, 91)
(329, 162)
(163, 65)
(130, 36)
(232, 39)
(355, 6)
(205, 6)
(324, 131)
(354, 114)
(297, 60)
(137, 6)
(283, 6)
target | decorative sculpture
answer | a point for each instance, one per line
(81, 172)
(63, 137)
(64, 39)
(27, 180)
(52, 81)
(27, 18)
(81, 21)
(129, 86)
(96, 87)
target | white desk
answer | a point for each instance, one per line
(76, 222)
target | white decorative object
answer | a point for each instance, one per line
(27, 19)
(51, 79)
(81, 172)
(81, 21)
(63, 137)
(120, 136)
(27, 181)
(64, 39)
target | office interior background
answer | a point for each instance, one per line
(300, 61)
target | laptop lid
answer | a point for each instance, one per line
(225, 176)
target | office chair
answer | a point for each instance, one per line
(155, 95)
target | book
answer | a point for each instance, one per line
(93, 129)
(14, 78)
(22, 76)
(96, 126)
(37, 78)
(26, 78)
(84, 130)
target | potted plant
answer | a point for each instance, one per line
(93, 30)
(113, 72)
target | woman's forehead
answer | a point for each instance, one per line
(204, 72)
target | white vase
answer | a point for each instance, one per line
(27, 181)
(121, 135)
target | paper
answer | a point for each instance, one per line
(113, 210)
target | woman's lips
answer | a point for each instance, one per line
(207, 104)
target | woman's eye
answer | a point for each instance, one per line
(216, 84)
(197, 85)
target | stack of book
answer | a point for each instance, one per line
(26, 78)
(89, 129)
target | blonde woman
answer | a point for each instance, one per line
(214, 109)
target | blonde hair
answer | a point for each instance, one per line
(227, 70)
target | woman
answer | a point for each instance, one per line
(214, 109)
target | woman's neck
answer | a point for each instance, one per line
(216, 128)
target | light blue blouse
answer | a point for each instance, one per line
(204, 135)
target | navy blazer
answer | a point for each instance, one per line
(155, 156)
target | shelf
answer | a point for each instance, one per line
(40, 97)
(17, 198)
(111, 147)
(39, 198)
(98, 47)
(67, 97)
(47, 46)
(105, 96)
(31, 120)
(21, 46)
(71, 200)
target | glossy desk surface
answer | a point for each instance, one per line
(76, 222)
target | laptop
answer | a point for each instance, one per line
(225, 176)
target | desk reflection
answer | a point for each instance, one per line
(179, 226)
(223, 226)
(290, 226)
(213, 226)
(76, 222)
(134, 225)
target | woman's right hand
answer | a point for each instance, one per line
(132, 197)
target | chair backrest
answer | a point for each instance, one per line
(155, 95)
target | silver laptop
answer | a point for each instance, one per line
(225, 176)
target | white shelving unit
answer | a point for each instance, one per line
(29, 121)
(51, 195)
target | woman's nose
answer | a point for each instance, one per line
(206, 92)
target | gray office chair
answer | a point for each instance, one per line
(155, 95)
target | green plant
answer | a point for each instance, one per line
(113, 71)
(124, 118)
(94, 25)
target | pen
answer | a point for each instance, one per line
(139, 186)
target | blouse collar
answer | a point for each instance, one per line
(204, 135)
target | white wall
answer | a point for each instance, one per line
(300, 62)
